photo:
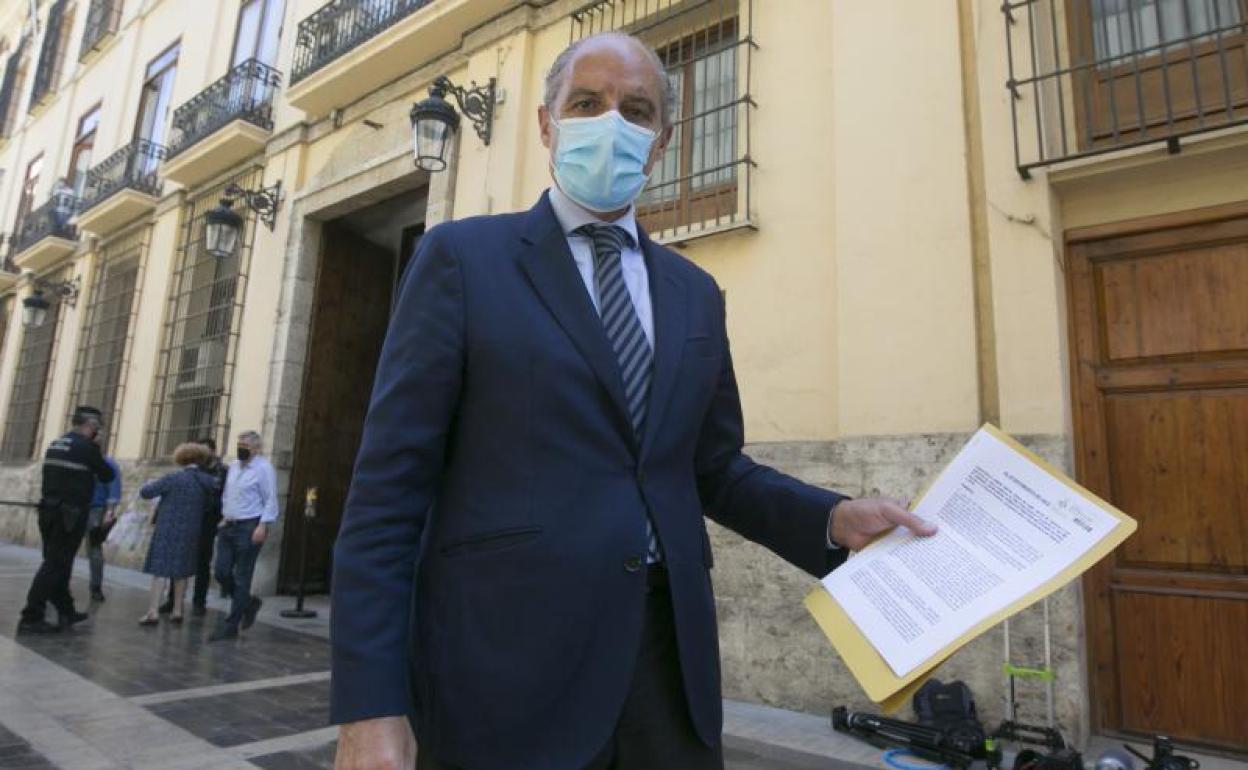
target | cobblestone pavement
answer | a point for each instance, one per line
(112, 694)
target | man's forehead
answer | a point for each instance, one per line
(612, 62)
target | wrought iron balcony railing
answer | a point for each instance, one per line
(244, 93)
(102, 20)
(341, 25)
(1088, 77)
(51, 220)
(133, 167)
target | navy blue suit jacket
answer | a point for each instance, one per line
(495, 521)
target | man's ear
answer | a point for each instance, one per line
(544, 122)
(659, 147)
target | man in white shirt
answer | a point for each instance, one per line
(249, 507)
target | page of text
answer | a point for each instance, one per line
(1007, 526)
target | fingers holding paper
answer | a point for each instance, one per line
(857, 522)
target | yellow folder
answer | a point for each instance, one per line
(875, 676)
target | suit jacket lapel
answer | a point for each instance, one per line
(549, 265)
(667, 298)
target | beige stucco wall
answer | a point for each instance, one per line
(1024, 247)
(850, 304)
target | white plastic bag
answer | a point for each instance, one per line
(131, 529)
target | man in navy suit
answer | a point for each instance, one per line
(522, 574)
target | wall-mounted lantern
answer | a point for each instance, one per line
(223, 226)
(435, 121)
(35, 307)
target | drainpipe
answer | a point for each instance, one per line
(977, 208)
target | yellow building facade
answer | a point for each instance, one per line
(900, 199)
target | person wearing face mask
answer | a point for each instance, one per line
(522, 576)
(248, 508)
(72, 465)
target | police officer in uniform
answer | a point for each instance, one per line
(71, 467)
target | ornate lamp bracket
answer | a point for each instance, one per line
(265, 201)
(68, 290)
(476, 102)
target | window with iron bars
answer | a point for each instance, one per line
(701, 184)
(108, 326)
(1093, 76)
(28, 400)
(52, 54)
(11, 88)
(195, 369)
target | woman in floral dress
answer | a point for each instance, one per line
(184, 497)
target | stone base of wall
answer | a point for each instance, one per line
(20, 524)
(774, 653)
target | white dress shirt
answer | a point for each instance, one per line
(572, 215)
(250, 491)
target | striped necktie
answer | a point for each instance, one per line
(623, 327)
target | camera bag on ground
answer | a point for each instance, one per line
(937, 704)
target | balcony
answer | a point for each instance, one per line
(45, 235)
(350, 48)
(124, 187)
(103, 18)
(1090, 77)
(226, 123)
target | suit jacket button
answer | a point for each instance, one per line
(632, 564)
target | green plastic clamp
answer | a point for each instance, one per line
(1043, 674)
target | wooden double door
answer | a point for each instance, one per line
(1159, 335)
(354, 291)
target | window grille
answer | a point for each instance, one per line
(11, 88)
(1089, 77)
(52, 54)
(701, 184)
(1123, 27)
(108, 326)
(195, 370)
(30, 385)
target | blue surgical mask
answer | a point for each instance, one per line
(600, 162)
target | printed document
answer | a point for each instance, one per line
(1007, 527)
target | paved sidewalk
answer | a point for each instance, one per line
(111, 694)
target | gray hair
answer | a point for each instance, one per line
(251, 437)
(559, 72)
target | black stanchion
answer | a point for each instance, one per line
(309, 513)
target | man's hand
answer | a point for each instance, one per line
(259, 534)
(385, 743)
(856, 522)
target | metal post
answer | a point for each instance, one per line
(309, 513)
(1050, 688)
(1009, 678)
